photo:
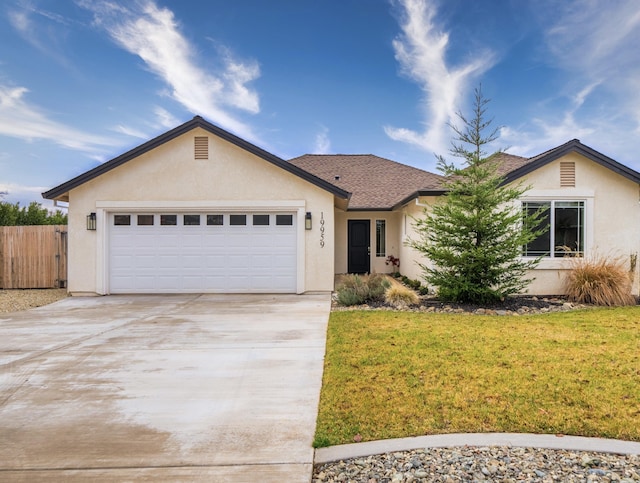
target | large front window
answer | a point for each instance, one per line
(564, 225)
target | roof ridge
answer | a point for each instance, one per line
(371, 155)
(572, 141)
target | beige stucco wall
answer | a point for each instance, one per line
(409, 257)
(169, 177)
(393, 246)
(612, 218)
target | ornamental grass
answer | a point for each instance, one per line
(600, 280)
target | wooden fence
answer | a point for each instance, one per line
(33, 256)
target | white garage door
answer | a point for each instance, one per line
(205, 252)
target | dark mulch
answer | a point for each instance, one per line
(512, 303)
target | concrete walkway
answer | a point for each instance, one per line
(548, 441)
(179, 387)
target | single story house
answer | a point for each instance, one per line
(198, 209)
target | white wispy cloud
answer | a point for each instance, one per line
(164, 118)
(23, 194)
(42, 29)
(597, 42)
(153, 33)
(18, 190)
(594, 44)
(421, 51)
(23, 120)
(322, 143)
(598, 37)
(131, 131)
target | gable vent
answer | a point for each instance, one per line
(201, 147)
(567, 174)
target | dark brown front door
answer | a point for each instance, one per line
(359, 260)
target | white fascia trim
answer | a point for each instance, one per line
(302, 257)
(102, 251)
(227, 205)
(561, 194)
(564, 263)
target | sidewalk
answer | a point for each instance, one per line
(547, 441)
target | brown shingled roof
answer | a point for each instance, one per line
(374, 183)
(508, 162)
(381, 184)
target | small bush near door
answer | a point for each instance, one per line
(360, 289)
(599, 281)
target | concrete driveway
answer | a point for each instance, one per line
(162, 388)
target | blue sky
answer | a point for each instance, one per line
(82, 81)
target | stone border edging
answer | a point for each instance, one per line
(547, 441)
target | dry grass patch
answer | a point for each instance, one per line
(395, 374)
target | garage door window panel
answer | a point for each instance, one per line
(237, 220)
(260, 220)
(284, 220)
(215, 220)
(145, 220)
(191, 220)
(122, 220)
(168, 220)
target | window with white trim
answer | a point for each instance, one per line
(381, 238)
(565, 230)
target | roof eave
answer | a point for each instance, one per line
(364, 208)
(418, 194)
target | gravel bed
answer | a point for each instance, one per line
(475, 464)
(23, 299)
(516, 305)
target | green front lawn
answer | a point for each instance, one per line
(398, 374)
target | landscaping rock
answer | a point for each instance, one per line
(23, 299)
(506, 464)
(514, 306)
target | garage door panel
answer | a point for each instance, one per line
(215, 261)
(145, 262)
(167, 261)
(121, 261)
(261, 262)
(192, 262)
(203, 258)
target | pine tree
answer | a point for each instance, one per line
(474, 236)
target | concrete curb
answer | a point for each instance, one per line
(546, 441)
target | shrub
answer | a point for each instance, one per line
(360, 289)
(400, 296)
(377, 284)
(352, 290)
(599, 281)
